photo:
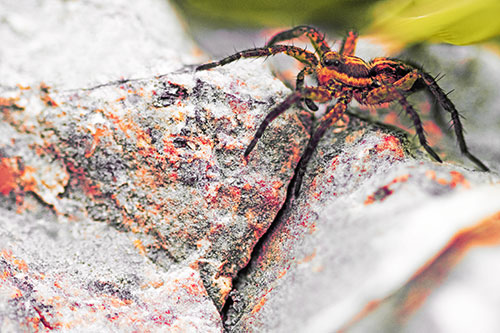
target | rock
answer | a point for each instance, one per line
(84, 276)
(80, 44)
(127, 204)
(161, 158)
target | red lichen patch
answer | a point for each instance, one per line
(456, 178)
(78, 176)
(384, 191)
(16, 178)
(392, 144)
(8, 175)
(413, 294)
(269, 194)
(228, 197)
(238, 107)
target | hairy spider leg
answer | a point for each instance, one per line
(419, 128)
(387, 66)
(394, 92)
(317, 38)
(306, 57)
(348, 46)
(446, 104)
(315, 93)
(300, 84)
(333, 114)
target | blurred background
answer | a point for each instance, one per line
(396, 23)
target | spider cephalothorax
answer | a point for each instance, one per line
(341, 76)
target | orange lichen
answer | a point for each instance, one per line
(138, 245)
(78, 174)
(293, 158)
(8, 102)
(260, 304)
(17, 178)
(21, 265)
(21, 87)
(392, 144)
(45, 97)
(171, 152)
(99, 132)
(8, 176)
(456, 178)
(282, 273)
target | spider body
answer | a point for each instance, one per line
(341, 76)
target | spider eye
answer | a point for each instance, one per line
(332, 62)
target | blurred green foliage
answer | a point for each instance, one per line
(336, 14)
(450, 21)
(398, 21)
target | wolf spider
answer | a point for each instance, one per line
(343, 76)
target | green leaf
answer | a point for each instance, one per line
(457, 22)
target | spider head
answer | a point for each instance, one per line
(332, 60)
(348, 70)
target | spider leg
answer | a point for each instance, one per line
(298, 53)
(333, 114)
(317, 38)
(446, 104)
(435, 111)
(349, 43)
(419, 128)
(315, 93)
(393, 92)
(300, 84)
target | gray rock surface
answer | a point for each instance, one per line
(79, 44)
(85, 276)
